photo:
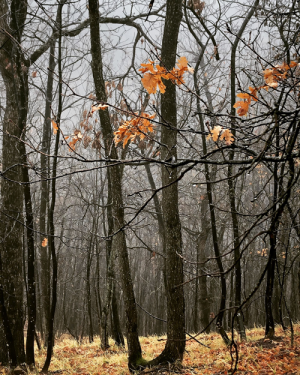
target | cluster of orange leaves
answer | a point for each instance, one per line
(137, 127)
(219, 133)
(272, 77)
(153, 75)
(140, 126)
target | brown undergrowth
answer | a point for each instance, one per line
(257, 356)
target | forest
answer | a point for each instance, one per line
(149, 176)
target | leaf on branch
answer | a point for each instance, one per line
(217, 132)
(153, 75)
(182, 63)
(253, 92)
(228, 136)
(150, 83)
(77, 136)
(137, 127)
(55, 127)
(243, 95)
(97, 107)
(272, 76)
(45, 242)
(214, 133)
(243, 107)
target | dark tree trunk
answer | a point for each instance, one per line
(175, 344)
(31, 294)
(7, 350)
(119, 240)
(50, 340)
(231, 183)
(219, 320)
(270, 325)
(12, 157)
(88, 291)
(116, 325)
(201, 281)
(45, 150)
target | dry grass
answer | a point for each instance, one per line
(257, 356)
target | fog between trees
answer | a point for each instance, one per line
(180, 231)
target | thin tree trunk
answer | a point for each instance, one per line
(231, 183)
(88, 291)
(119, 240)
(204, 298)
(31, 295)
(45, 150)
(219, 321)
(50, 343)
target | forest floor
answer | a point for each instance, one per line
(256, 356)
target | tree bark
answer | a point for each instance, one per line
(12, 158)
(50, 340)
(175, 344)
(219, 321)
(119, 240)
(45, 150)
(231, 183)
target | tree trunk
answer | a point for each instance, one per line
(204, 298)
(88, 291)
(45, 150)
(50, 342)
(12, 158)
(175, 344)
(119, 240)
(219, 321)
(231, 183)
(116, 326)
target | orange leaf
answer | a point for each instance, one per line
(228, 136)
(153, 76)
(97, 107)
(45, 242)
(214, 133)
(293, 64)
(243, 107)
(182, 62)
(138, 126)
(77, 136)
(147, 67)
(55, 127)
(150, 82)
(253, 92)
(243, 95)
